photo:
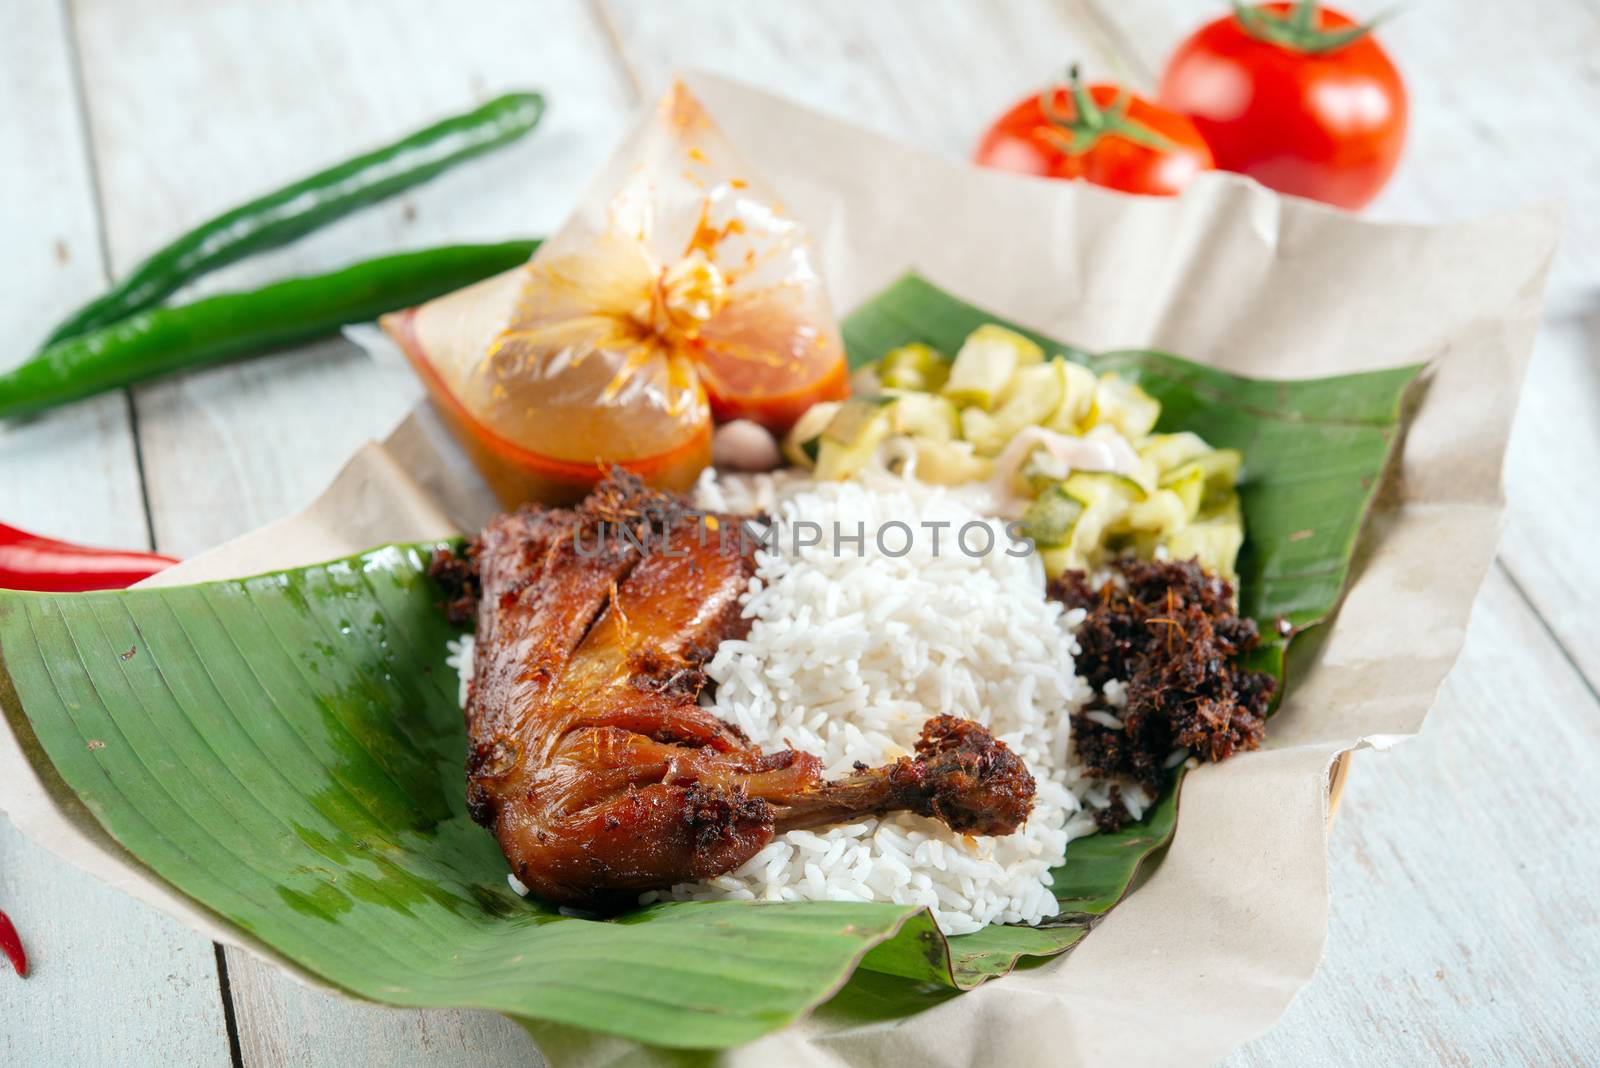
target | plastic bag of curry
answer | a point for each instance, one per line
(679, 294)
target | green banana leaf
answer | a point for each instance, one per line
(287, 750)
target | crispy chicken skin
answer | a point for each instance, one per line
(591, 759)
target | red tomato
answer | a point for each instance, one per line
(1298, 97)
(1101, 134)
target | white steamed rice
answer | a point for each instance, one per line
(849, 654)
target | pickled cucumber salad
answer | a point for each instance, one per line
(1040, 439)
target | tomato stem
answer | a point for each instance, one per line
(1080, 129)
(1088, 110)
(1297, 29)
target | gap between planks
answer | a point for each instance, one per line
(1556, 642)
(111, 975)
(80, 93)
(605, 21)
(97, 192)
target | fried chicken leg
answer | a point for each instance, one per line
(592, 761)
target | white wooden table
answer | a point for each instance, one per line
(1465, 872)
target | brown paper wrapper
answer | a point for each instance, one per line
(1208, 953)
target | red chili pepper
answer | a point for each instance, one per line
(29, 562)
(11, 946)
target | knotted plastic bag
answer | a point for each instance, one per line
(678, 293)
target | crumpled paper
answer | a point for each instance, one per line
(1209, 952)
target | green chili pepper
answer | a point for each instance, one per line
(231, 325)
(295, 210)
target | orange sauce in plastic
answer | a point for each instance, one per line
(516, 474)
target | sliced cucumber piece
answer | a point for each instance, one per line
(926, 416)
(979, 427)
(1051, 519)
(801, 443)
(856, 417)
(1217, 471)
(949, 463)
(1094, 486)
(1124, 406)
(852, 436)
(916, 367)
(1059, 561)
(1028, 399)
(1160, 515)
(1041, 470)
(1189, 484)
(985, 364)
(1145, 474)
(1034, 387)
(1214, 539)
(1171, 451)
(1031, 396)
(1106, 498)
(1077, 397)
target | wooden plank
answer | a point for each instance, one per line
(1459, 933)
(111, 980)
(111, 977)
(930, 73)
(283, 1023)
(284, 90)
(71, 472)
(1553, 487)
